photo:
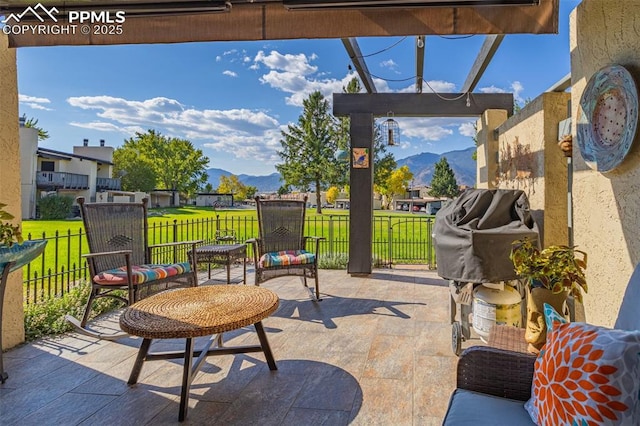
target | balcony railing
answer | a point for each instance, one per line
(108, 184)
(61, 180)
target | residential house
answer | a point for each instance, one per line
(85, 172)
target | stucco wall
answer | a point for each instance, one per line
(529, 159)
(13, 314)
(487, 147)
(606, 206)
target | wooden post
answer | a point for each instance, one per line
(361, 196)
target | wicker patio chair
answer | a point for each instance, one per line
(121, 260)
(280, 249)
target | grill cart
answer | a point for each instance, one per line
(473, 236)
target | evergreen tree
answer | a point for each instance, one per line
(443, 183)
(308, 148)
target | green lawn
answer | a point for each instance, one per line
(410, 235)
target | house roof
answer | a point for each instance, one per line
(59, 155)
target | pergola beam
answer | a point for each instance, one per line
(488, 49)
(421, 104)
(353, 49)
(270, 20)
(420, 45)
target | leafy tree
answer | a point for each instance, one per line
(33, 123)
(397, 183)
(251, 192)
(284, 189)
(443, 183)
(232, 185)
(208, 188)
(137, 172)
(332, 194)
(384, 162)
(176, 164)
(308, 148)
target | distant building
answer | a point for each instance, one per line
(85, 172)
(214, 199)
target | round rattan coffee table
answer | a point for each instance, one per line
(194, 312)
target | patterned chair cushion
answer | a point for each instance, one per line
(141, 273)
(288, 257)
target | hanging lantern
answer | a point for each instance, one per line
(390, 130)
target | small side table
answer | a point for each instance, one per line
(223, 254)
(194, 312)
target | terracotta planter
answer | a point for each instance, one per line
(536, 330)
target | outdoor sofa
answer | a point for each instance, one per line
(493, 384)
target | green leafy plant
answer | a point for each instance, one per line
(557, 268)
(55, 207)
(333, 261)
(46, 318)
(9, 234)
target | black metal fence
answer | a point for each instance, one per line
(396, 240)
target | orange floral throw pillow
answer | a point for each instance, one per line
(587, 375)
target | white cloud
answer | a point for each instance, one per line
(37, 106)
(289, 63)
(230, 52)
(108, 127)
(34, 102)
(431, 86)
(218, 58)
(229, 73)
(389, 63)
(34, 99)
(432, 128)
(242, 132)
(516, 88)
(467, 129)
(438, 86)
(492, 89)
(300, 87)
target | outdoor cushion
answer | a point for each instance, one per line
(586, 374)
(141, 273)
(465, 407)
(285, 258)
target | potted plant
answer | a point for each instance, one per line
(9, 234)
(552, 275)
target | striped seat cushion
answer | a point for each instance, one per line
(288, 257)
(141, 273)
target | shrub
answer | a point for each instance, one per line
(55, 207)
(47, 317)
(333, 261)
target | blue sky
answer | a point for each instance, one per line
(232, 99)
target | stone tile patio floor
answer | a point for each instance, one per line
(375, 351)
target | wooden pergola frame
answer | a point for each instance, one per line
(247, 20)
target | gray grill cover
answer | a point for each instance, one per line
(474, 232)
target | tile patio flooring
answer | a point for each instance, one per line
(375, 351)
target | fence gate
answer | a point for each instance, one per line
(408, 240)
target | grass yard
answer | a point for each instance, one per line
(399, 237)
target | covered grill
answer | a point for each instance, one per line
(473, 238)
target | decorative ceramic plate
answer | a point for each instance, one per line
(608, 119)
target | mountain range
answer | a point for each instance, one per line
(421, 165)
